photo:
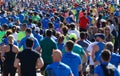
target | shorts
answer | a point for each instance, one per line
(91, 69)
(7, 70)
(84, 67)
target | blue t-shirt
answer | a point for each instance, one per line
(101, 46)
(21, 17)
(45, 22)
(57, 24)
(5, 41)
(60, 46)
(99, 71)
(38, 37)
(59, 69)
(69, 19)
(90, 20)
(23, 43)
(115, 59)
(4, 20)
(73, 60)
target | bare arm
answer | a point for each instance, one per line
(84, 58)
(16, 65)
(39, 49)
(95, 75)
(71, 75)
(95, 49)
(80, 68)
(16, 49)
(3, 49)
(40, 63)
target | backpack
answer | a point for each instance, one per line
(108, 71)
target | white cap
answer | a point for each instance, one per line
(103, 20)
(33, 25)
(37, 29)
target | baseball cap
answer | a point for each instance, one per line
(37, 29)
(101, 35)
(73, 36)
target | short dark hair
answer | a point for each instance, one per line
(69, 45)
(29, 42)
(82, 35)
(28, 30)
(50, 25)
(105, 55)
(72, 26)
(49, 33)
(24, 24)
(47, 15)
(65, 30)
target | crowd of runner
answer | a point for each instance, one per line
(60, 37)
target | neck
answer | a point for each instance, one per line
(10, 42)
(82, 39)
(68, 51)
(28, 47)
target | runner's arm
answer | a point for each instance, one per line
(39, 63)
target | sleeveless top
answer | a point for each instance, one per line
(9, 57)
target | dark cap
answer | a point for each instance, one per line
(101, 35)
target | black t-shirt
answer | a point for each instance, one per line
(28, 59)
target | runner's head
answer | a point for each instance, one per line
(105, 55)
(48, 33)
(29, 42)
(56, 55)
(109, 46)
(73, 37)
(28, 32)
(99, 37)
(69, 46)
(10, 39)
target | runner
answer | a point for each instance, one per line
(58, 68)
(47, 45)
(36, 46)
(73, 60)
(97, 49)
(105, 68)
(8, 56)
(115, 58)
(29, 59)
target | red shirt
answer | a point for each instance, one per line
(81, 14)
(83, 22)
(76, 5)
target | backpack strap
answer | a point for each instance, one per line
(107, 71)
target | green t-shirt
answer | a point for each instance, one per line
(2, 33)
(36, 18)
(47, 45)
(21, 35)
(76, 49)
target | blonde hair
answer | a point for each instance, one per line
(11, 38)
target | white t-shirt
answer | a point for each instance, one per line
(15, 35)
(74, 31)
(89, 49)
(112, 27)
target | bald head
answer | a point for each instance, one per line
(56, 55)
